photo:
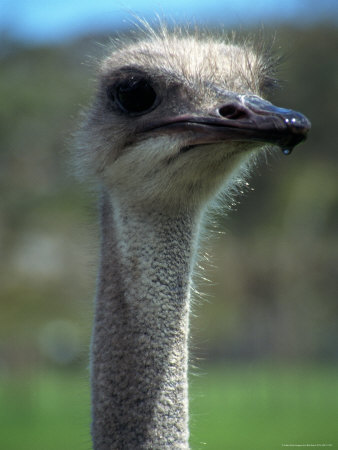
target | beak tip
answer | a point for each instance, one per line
(300, 123)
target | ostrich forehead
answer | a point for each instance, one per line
(198, 61)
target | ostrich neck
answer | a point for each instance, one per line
(139, 345)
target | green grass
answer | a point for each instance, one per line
(242, 407)
(262, 407)
(49, 411)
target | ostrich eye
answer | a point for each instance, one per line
(135, 96)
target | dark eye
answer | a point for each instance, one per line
(135, 96)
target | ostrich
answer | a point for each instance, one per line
(176, 119)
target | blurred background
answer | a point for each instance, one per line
(264, 336)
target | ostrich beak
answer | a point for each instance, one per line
(243, 118)
(283, 127)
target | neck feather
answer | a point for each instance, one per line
(139, 345)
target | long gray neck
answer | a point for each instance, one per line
(139, 345)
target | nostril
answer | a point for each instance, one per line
(232, 111)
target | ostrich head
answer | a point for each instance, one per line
(175, 117)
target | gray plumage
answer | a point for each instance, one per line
(158, 166)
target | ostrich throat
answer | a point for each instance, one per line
(140, 341)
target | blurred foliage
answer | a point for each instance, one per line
(274, 291)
